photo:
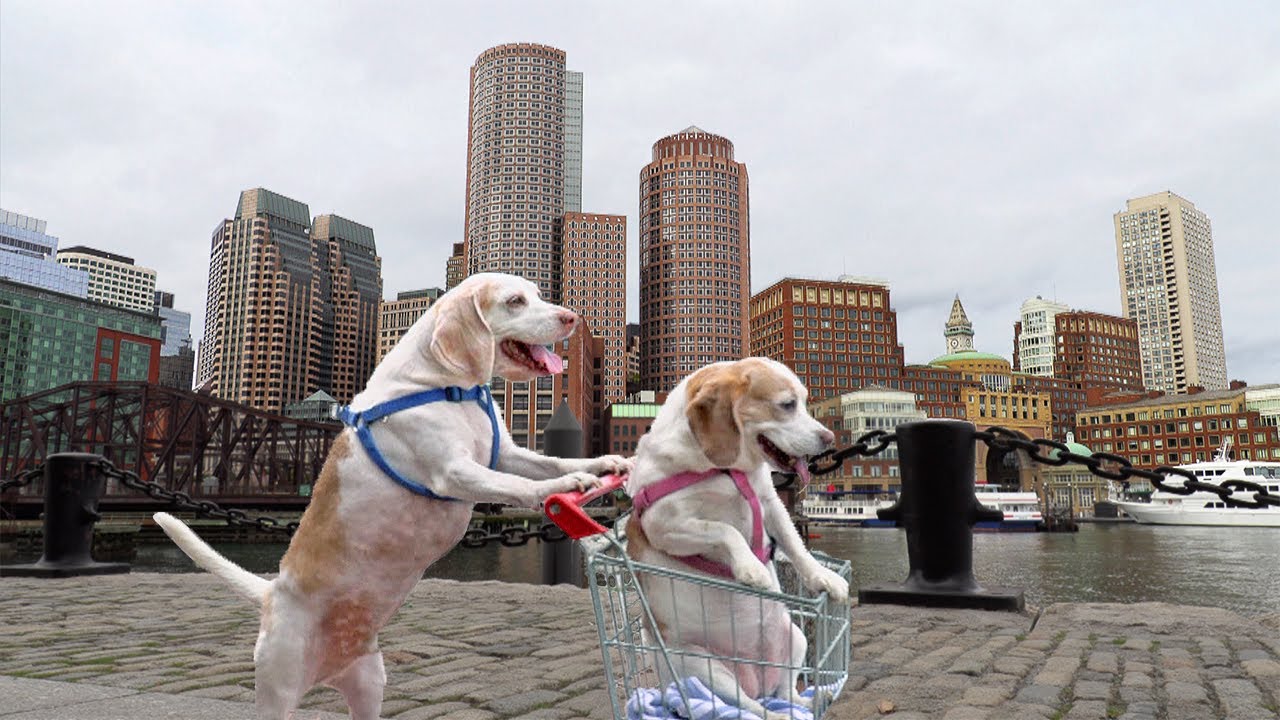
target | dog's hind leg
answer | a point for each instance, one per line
(280, 674)
(361, 685)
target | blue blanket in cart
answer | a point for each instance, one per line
(654, 704)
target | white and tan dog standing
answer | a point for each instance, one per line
(364, 540)
(748, 416)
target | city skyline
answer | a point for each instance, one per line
(984, 155)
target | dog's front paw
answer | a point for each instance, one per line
(755, 574)
(612, 465)
(580, 481)
(824, 580)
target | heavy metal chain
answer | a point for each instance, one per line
(510, 536)
(203, 508)
(868, 445)
(23, 479)
(999, 438)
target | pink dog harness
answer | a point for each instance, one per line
(652, 493)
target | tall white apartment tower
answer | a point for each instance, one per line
(1035, 340)
(1169, 286)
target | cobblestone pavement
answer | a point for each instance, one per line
(482, 650)
(1096, 661)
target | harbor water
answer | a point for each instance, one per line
(1232, 568)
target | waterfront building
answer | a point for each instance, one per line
(594, 270)
(292, 307)
(1033, 336)
(1071, 487)
(395, 317)
(938, 390)
(113, 279)
(318, 407)
(1265, 401)
(1176, 429)
(48, 338)
(695, 257)
(518, 161)
(626, 422)
(837, 336)
(854, 414)
(1098, 352)
(455, 269)
(1089, 354)
(1169, 286)
(29, 256)
(175, 326)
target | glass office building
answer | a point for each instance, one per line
(27, 255)
(49, 338)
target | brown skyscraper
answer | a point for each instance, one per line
(695, 257)
(518, 159)
(595, 285)
(292, 307)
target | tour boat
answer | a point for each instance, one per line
(1021, 509)
(1207, 508)
(857, 509)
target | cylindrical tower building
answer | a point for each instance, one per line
(695, 257)
(515, 163)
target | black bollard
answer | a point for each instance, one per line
(73, 485)
(562, 560)
(938, 508)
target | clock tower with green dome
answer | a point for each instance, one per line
(959, 331)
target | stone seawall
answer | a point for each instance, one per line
(147, 645)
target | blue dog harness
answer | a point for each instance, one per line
(361, 420)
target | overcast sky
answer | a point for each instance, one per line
(977, 148)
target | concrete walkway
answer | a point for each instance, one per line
(180, 646)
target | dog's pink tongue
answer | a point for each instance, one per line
(550, 361)
(802, 469)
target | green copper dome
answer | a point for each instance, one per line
(969, 355)
(1072, 446)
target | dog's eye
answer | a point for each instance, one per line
(788, 405)
(516, 301)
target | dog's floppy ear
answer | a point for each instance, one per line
(713, 395)
(461, 338)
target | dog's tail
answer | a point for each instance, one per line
(240, 580)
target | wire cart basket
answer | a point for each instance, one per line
(648, 667)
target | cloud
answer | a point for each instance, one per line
(973, 148)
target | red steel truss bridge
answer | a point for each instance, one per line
(194, 443)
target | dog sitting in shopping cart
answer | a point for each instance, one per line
(704, 502)
(397, 489)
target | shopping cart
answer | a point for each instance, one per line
(656, 673)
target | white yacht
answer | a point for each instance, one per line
(1207, 508)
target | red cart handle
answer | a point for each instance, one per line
(565, 509)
